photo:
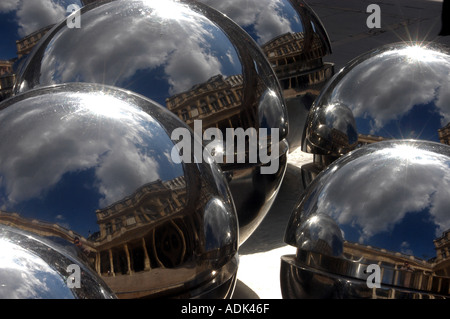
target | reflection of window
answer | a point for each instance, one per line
(118, 224)
(214, 103)
(108, 229)
(194, 111)
(204, 107)
(131, 220)
(184, 115)
(222, 99)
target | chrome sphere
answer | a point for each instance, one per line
(191, 59)
(295, 41)
(34, 268)
(94, 169)
(374, 224)
(24, 23)
(398, 91)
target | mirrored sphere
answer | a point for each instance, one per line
(94, 169)
(294, 41)
(397, 91)
(387, 222)
(196, 62)
(23, 24)
(33, 268)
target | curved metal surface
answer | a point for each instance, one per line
(24, 23)
(33, 268)
(91, 167)
(397, 91)
(385, 204)
(294, 41)
(185, 56)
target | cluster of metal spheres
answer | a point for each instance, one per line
(97, 199)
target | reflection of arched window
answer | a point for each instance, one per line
(204, 107)
(184, 114)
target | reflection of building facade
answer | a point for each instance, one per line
(26, 44)
(442, 245)
(137, 234)
(7, 79)
(369, 139)
(216, 102)
(444, 134)
(404, 269)
(297, 67)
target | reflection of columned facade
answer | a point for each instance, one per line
(287, 55)
(405, 269)
(217, 102)
(138, 235)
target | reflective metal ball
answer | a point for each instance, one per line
(34, 268)
(94, 169)
(295, 42)
(193, 60)
(397, 91)
(374, 224)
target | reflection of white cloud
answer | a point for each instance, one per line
(27, 276)
(31, 15)
(37, 158)
(374, 193)
(389, 90)
(8, 5)
(264, 15)
(114, 48)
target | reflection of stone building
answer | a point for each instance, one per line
(442, 245)
(369, 139)
(403, 269)
(144, 231)
(297, 67)
(217, 102)
(26, 44)
(7, 79)
(444, 134)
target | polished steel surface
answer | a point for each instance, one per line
(397, 91)
(295, 41)
(185, 56)
(23, 24)
(33, 268)
(385, 204)
(91, 167)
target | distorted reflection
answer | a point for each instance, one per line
(185, 56)
(26, 276)
(295, 42)
(390, 201)
(90, 168)
(398, 91)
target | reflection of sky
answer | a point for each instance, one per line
(63, 163)
(141, 49)
(27, 276)
(399, 94)
(396, 199)
(19, 18)
(262, 19)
